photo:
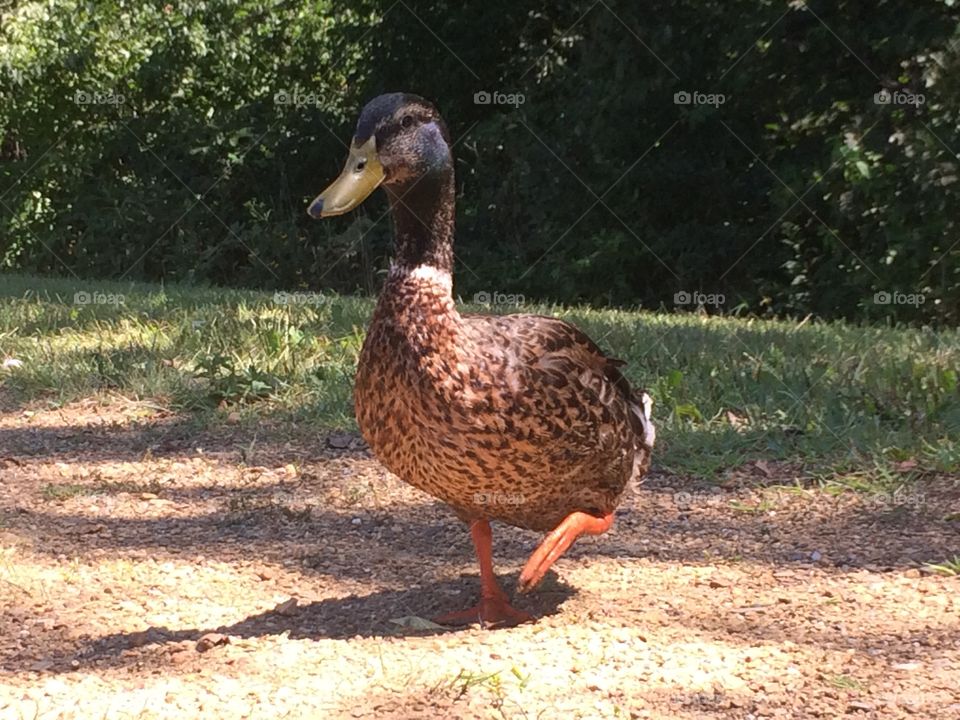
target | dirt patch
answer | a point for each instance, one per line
(151, 570)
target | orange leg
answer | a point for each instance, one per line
(556, 543)
(493, 608)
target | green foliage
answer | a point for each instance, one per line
(798, 194)
(68, 490)
(950, 568)
(853, 407)
(231, 384)
(150, 133)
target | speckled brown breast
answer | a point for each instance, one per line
(519, 418)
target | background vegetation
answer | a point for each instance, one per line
(861, 407)
(182, 141)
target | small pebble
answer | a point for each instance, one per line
(211, 640)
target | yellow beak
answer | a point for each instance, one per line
(360, 177)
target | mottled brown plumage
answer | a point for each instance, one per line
(517, 418)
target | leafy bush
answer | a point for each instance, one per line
(183, 141)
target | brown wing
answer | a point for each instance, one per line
(555, 361)
(541, 340)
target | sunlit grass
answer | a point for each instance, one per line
(949, 567)
(851, 406)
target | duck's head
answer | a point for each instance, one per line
(400, 139)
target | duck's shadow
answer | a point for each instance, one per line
(392, 613)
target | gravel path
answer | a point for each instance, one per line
(148, 570)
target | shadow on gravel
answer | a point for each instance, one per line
(272, 524)
(369, 616)
(303, 527)
(170, 436)
(336, 618)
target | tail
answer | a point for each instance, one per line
(641, 406)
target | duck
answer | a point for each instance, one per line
(517, 418)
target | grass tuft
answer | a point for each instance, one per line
(949, 567)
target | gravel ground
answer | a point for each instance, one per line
(151, 570)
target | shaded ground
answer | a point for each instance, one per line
(148, 569)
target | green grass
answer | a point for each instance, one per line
(67, 490)
(849, 404)
(845, 682)
(950, 567)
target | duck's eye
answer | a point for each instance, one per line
(406, 121)
(361, 164)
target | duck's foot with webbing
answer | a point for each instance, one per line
(556, 543)
(493, 609)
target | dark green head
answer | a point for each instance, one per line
(400, 138)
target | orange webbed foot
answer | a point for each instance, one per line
(493, 610)
(489, 612)
(557, 543)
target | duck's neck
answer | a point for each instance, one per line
(422, 211)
